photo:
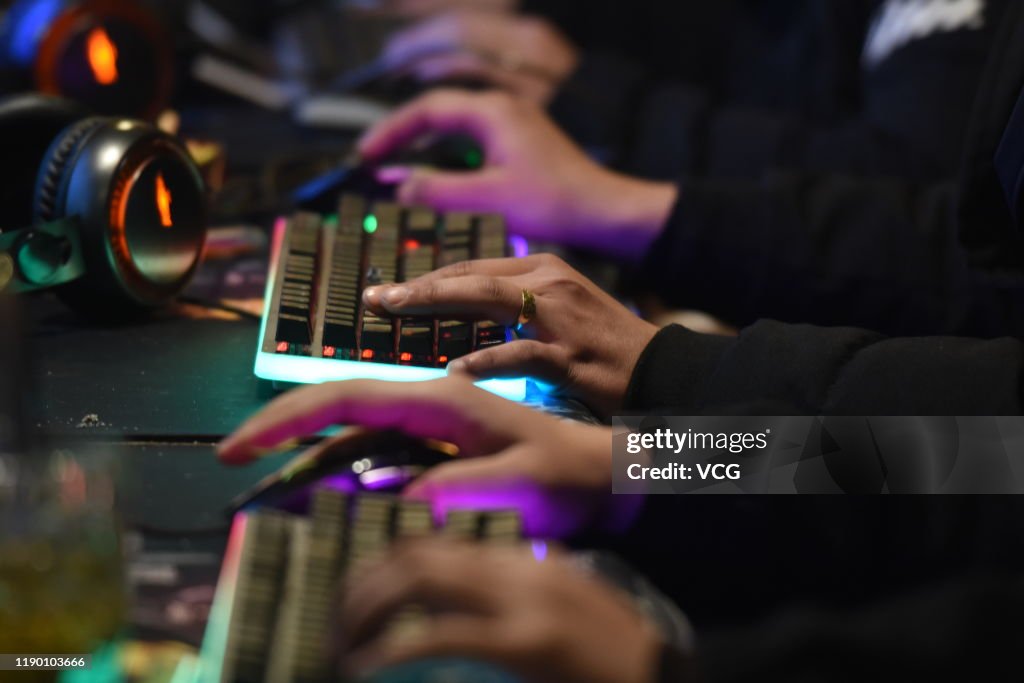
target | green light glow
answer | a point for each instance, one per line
(370, 224)
(474, 158)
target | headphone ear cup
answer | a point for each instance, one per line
(29, 124)
(48, 199)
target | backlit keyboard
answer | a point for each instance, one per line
(279, 584)
(315, 327)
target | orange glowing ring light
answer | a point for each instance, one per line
(67, 26)
(122, 187)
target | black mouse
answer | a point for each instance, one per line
(454, 152)
(361, 461)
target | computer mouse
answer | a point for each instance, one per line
(358, 461)
(451, 152)
(454, 152)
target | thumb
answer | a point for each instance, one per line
(470, 474)
(521, 358)
(504, 482)
(452, 191)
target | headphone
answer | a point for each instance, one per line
(111, 55)
(110, 211)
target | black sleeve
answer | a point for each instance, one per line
(967, 631)
(828, 371)
(878, 253)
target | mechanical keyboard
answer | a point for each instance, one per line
(315, 327)
(281, 573)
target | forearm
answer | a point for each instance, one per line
(838, 371)
(954, 632)
(880, 254)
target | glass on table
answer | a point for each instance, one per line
(62, 587)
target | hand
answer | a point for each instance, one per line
(543, 184)
(581, 339)
(525, 55)
(544, 621)
(556, 473)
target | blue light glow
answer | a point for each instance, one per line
(307, 370)
(30, 27)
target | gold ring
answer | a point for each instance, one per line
(528, 311)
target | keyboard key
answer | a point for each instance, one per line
(455, 339)
(325, 264)
(457, 241)
(378, 334)
(490, 334)
(490, 240)
(295, 303)
(343, 296)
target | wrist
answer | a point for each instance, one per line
(618, 512)
(630, 214)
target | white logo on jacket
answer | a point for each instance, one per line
(900, 22)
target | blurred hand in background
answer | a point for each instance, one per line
(526, 56)
(543, 183)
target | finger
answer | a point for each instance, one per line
(440, 111)
(447, 32)
(494, 267)
(466, 474)
(423, 409)
(508, 481)
(481, 67)
(444, 576)
(461, 65)
(521, 358)
(481, 191)
(474, 297)
(465, 637)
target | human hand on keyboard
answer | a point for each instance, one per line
(527, 56)
(557, 473)
(533, 174)
(541, 620)
(581, 339)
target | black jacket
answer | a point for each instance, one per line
(966, 630)
(882, 253)
(733, 87)
(728, 560)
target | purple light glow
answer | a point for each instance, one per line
(387, 478)
(544, 515)
(520, 247)
(540, 550)
(339, 482)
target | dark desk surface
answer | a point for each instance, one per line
(167, 377)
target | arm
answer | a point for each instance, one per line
(837, 371)
(875, 253)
